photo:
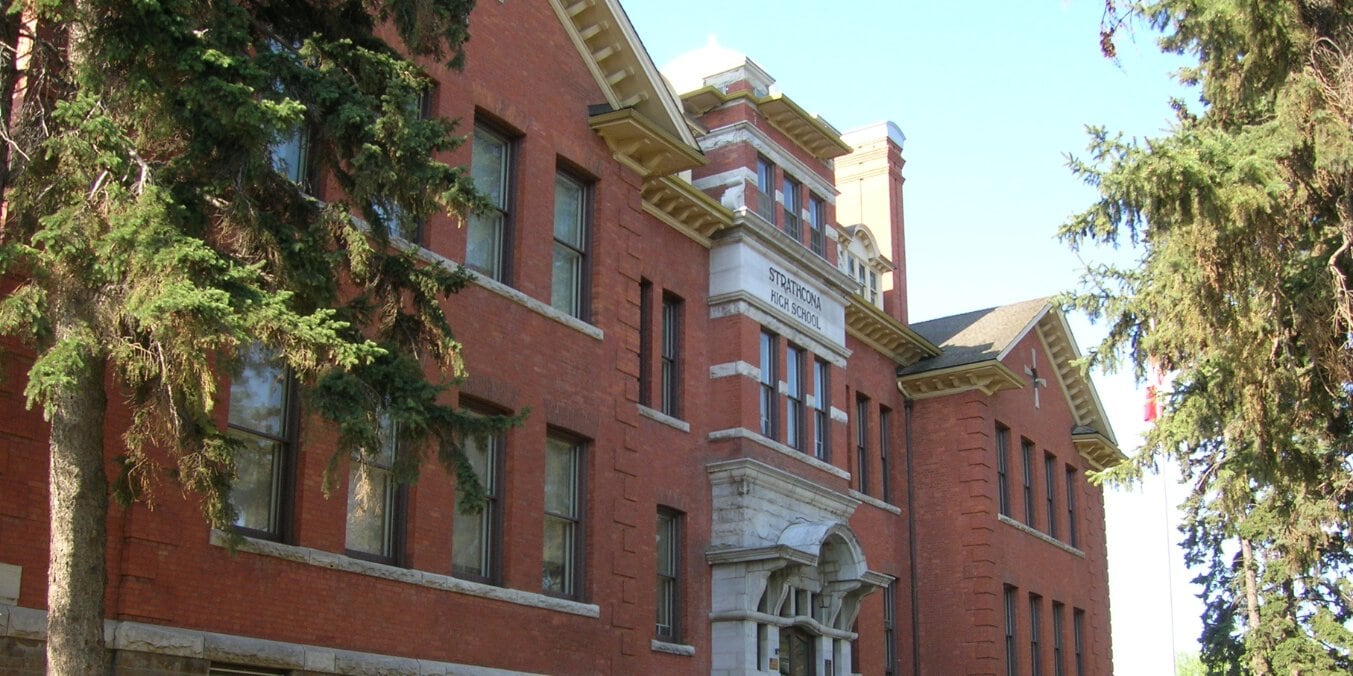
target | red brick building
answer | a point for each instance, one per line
(740, 457)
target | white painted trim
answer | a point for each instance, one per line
(840, 416)
(541, 308)
(332, 561)
(746, 132)
(735, 368)
(725, 178)
(757, 438)
(875, 502)
(31, 623)
(1040, 535)
(655, 414)
(672, 648)
(743, 303)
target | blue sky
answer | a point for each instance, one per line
(991, 95)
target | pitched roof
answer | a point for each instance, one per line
(973, 345)
(976, 336)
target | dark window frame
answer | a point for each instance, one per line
(1058, 641)
(822, 417)
(885, 431)
(817, 224)
(396, 519)
(1078, 635)
(495, 539)
(1050, 488)
(1011, 629)
(582, 291)
(1030, 512)
(1003, 469)
(673, 316)
(792, 223)
(573, 583)
(646, 343)
(507, 210)
(794, 396)
(862, 442)
(890, 629)
(768, 389)
(284, 492)
(764, 204)
(670, 581)
(1072, 484)
(1035, 635)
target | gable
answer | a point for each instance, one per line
(976, 354)
(640, 119)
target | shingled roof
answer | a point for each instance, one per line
(972, 346)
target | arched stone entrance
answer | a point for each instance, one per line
(788, 573)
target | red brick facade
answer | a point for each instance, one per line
(922, 532)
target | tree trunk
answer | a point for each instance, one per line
(76, 577)
(1258, 661)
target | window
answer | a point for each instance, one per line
(1050, 487)
(1078, 637)
(821, 410)
(1011, 651)
(873, 291)
(291, 155)
(669, 575)
(262, 420)
(570, 245)
(817, 225)
(374, 519)
(476, 538)
(563, 517)
(862, 442)
(645, 343)
(890, 629)
(671, 355)
(769, 357)
(1058, 652)
(794, 398)
(793, 206)
(1003, 468)
(885, 425)
(1035, 647)
(487, 234)
(389, 214)
(1072, 534)
(1029, 516)
(765, 183)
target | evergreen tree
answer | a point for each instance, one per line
(1244, 217)
(154, 229)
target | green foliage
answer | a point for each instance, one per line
(1244, 215)
(144, 201)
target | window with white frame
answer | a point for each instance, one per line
(569, 264)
